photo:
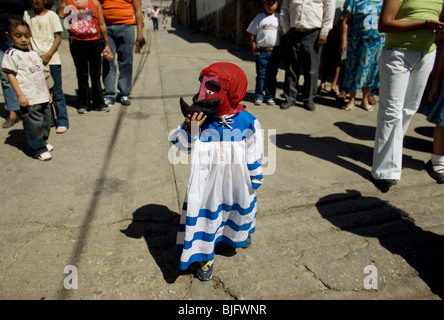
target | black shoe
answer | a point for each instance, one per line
(383, 185)
(310, 106)
(286, 105)
(439, 177)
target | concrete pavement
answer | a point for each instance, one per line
(105, 208)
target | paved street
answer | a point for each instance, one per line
(106, 207)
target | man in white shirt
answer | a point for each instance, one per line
(306, 24)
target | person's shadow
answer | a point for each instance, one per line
(158, 225)
(395, 230)
(336, 151)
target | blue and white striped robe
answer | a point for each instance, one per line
(226, 170)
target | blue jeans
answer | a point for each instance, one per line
(267, 63)
(58, 98)
(37, 125)
(121, 42)
(11, 101)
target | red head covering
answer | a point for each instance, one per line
(226, 81)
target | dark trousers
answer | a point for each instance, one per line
(37, 124)
(302, 55)
(88, 61)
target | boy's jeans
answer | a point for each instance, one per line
(37, 125)
(403, 77)
(267, 63)
(121, 43)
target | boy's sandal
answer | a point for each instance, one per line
(349, 107)
(366, 107)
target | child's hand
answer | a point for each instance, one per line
(23, 101)
(191, 120)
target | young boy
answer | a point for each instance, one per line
(24, 68)
(46, 32)
(265, 40)
(226, 169)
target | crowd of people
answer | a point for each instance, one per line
(386, 47)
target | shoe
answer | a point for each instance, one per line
(349, 107)
(383, 185)
(205, 272)
(286, 105)
(45, 156)
(310, 106)
(258, 101)
(125, 100)
(82, 111)
(61, 129)
(270, 101)
(10, 122)
(248, 243)
(102, 109)
(366, 107)
(109, 101)
(438, 176)
(50, 147)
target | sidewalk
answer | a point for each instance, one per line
(107, 204)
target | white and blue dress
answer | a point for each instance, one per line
(226, 170)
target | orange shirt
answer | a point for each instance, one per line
(83, 21)
(118, 11)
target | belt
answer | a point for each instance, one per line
(302, 29)
(266, 49)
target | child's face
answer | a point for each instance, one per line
(270, 6)
(20, 36)
(37, 4)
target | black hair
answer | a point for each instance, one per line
(16, 22)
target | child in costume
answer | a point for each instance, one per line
(226, 168)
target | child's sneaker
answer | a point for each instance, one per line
(45, 156)
(270, 101)
(50, 147)
(205, 272)
(258, 101)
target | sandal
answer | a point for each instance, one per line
(366, 107)
(349, 107)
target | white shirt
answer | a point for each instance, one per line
(308, 14)
(266, 29)
(27, 66)
(43, 29)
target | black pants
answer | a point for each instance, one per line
(88, 61)
(302, 54)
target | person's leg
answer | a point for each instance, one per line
(261, 68)
(11, 101)
(124, 41)
(95, 65)
(110, 68)
(270, 75)
(79, 52)
(291, 69)
(58, 97)
(310, 59)
(33, 127)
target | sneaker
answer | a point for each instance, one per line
(45, 156)
(310, 106)
(61, 129)
(438, 176)
(82, 111)
(109, 101)
(50, 147)
(102, 109)
(205, 272)
(258, 101)
(270, 101)
(125, 100)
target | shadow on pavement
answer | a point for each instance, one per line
(158, 226)
(395, 230)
